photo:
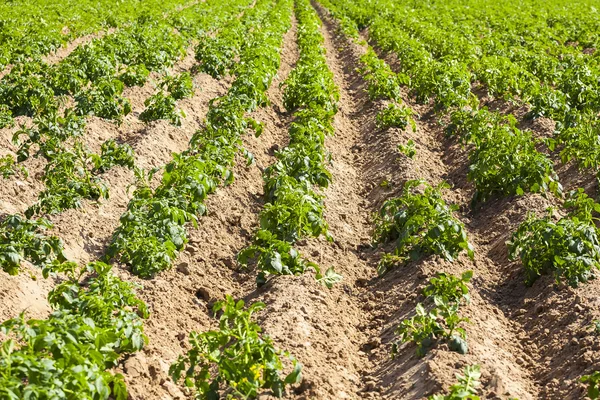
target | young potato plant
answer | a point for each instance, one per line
(568, 248)
(466, 388)
(237, 360)
(593, 382)
(6, 119)
(408, 149)
(421, 224)
(113, 154)
(507, 163)
(178, 86)
(104, 100)
(69, 179)
(134, 75)
(395, 116)
(438, 321)
(10, 167)
(161, 106)
(49, 132)
(382, 82)
(24, 239)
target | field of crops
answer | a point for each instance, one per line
(307, 199)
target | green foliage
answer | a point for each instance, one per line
(179, 86)
(68, 179)
(294, 210)
(408, 149)
(49, 132)
(9, 167)
(152, 231)
(466, 388)
(24, 239)
(395, 116)
(113, 154)
(237, 359)
(421, 224)
(161, 106)
(104, 100)
(439, 321)
(507, 163)
(449, 288)
(568, 248)
(6, 119)
(71, 350)
(134, 75)
(382, 82)
(593, 381)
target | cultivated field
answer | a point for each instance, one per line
(307, 199)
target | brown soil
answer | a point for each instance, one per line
(531, 343)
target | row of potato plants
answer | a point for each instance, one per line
(557, 80)
(518, 167)
(237, 360)
(96, 317)
(294, 209)
(419, 223)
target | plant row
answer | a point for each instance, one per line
(293, 208)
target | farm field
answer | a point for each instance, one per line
(301, 199)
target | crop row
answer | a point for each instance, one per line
(95, 74)
(294, 209)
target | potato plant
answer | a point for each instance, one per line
(420, 224)
(236, 360)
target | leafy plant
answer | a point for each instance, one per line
(161, 106)
(382, 82)
(421, 224)
(24, 239)
(9, 167)
(408, 149)
(49, 132)
(440, 321)
(426, 328)
(466, 388)
(449, 288)
(395, 116)
(236, 359)
(593, 381)
(104, 100)
(68, 180)
(71, 350)
(113, 154)
(569, 248)
(508, 163)
(178, 86)
(134, 75)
